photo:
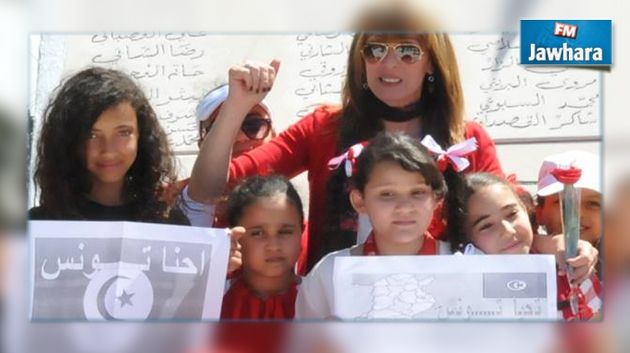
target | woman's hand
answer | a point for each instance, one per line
(236, 257)
(250, 82)
(248, 85)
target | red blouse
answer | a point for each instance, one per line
(241, 303)
(588, 295)
(308, 145)
(429, 246)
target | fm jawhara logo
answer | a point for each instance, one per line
(566, 42)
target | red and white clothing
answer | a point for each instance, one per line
(588, 295)
(241, 303)
(315, 299)
(429, 246)
(308, 145)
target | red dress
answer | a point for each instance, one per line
(241, 303)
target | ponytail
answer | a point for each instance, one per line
(340, 230)
(454, 210)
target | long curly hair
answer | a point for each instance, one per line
(60, 168)
(442, 106)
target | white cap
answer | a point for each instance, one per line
(214, 99)
(586, 161)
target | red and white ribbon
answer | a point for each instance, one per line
(350, 158)
(455, 155)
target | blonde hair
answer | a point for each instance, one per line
(444, 118)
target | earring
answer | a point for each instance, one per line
(365, 86)
(430, 83)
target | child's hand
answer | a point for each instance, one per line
(236, 257)
(583, 264)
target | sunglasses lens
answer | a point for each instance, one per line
(374, 52)
(256, 128)
(408, 53)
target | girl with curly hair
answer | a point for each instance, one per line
(102, 154)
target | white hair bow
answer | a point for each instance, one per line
(455, 155)
(350, 158)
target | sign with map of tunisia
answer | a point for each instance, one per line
(443, 287)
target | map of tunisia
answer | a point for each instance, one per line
(400, 296)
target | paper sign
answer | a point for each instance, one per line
(126, 271)
(482, 287)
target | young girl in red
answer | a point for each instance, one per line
(495, 221)
(398, 185)
(270, 210)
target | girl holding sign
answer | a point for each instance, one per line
(496, 222)
(270, 210)
(398, 186)
(103, 156)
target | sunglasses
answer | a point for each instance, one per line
(408, 53)
(254, 127)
